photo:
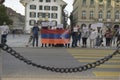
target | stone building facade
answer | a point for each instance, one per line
(87, 12)
(37, 11)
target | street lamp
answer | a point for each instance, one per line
(65, 17)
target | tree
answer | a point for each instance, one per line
(2, 1)
(3, 16)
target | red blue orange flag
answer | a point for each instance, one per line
(55, 36)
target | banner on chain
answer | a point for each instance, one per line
(55, 36)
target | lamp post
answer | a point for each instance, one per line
(65, 17)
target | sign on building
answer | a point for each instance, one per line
(51, 23)
(44, 24)
(97, 25)
(60, 26)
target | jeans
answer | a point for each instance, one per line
(35, 39)
(3, 38)
(84, 41)
(74, 40)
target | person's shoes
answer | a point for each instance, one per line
(83, 46)
(37, 46)
(73, 46)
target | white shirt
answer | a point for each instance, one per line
(75, 29)
(85, 29)
(93, 35)
(4, 29)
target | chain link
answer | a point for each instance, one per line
(60, 70)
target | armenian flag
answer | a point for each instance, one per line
(55, 36)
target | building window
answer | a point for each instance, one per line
(46, 7)
(91, 2)
(117, 15)
(108, 14)
(40, 0)
(32, 14)
(100, 14)
(32, 6)
(83, 14)
(54, 0)
(54, 15)
(40, 15)
(54, 8)
(40, 7)
(48, 0)
(108, 3)
(84, 2)
(100, 1)
(47, 15)
(91, 14)
(32, 22)
(43, 15)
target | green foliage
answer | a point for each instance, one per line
(3, 16)
(2, 1)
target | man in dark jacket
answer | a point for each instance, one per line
(35, 31)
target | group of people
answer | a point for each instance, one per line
(83, 34)
(95, 36)
(79, 36)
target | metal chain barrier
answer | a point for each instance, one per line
(60, 70)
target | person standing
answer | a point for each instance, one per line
(118, 36)
(92, 37)
(30, 38)
(79, 36)
(13, 33)
(75, 36)
(44, 27)
(4, 32)
(108, 36)
(35, 31)
(99, 38)
(85, 35)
